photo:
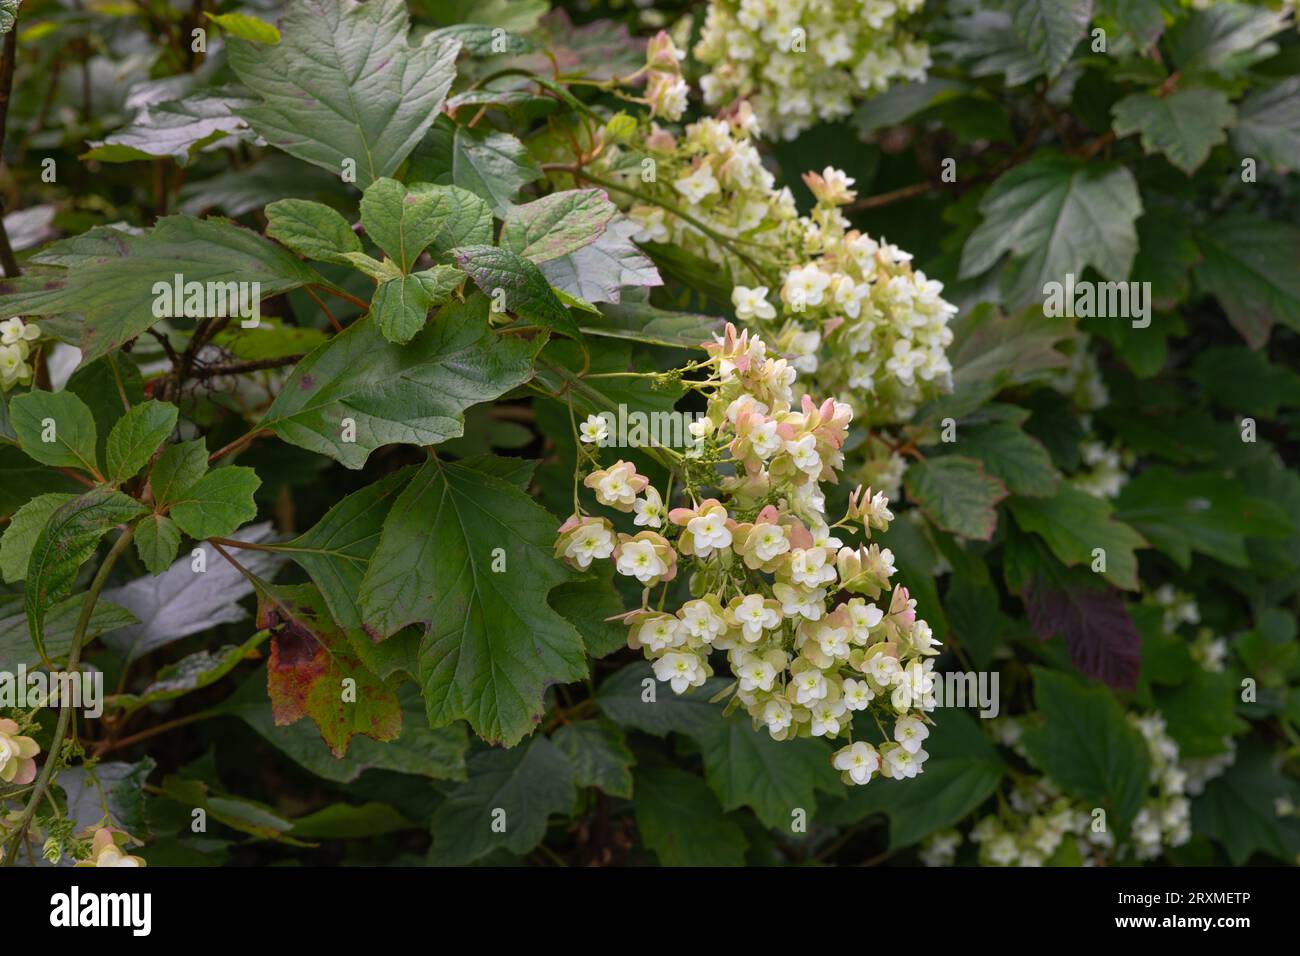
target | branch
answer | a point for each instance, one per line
(65, 708)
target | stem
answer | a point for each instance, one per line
(65, 708)
(108, 746)
(680, 213)
(893, 196)
(361, 304)
(6, 87)
(238, 443)
(323, 307)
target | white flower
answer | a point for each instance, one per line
(857, 694)
(594, 430)
(638, 559)
(805, 286)
(660, 633)
(680, 671)
(883, 669)
(800, 602)
(754, 616)
(14, 330)
(593, 541)
(810, 567)
(826, 716)
(833, 641)
(910, 733)
(701, 622)
(859, 760)
(752, 303)
(764, 439)
(709, 531)
(778, 715)
(649, 510)
(810, 686)
(768, 541)
(864, 617)
(697, 185)
(903, 764)
(804, 453)
(755, 673)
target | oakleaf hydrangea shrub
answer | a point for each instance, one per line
(613, 434)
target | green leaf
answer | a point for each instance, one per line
(411, 394)
(493, 644)
(246, 27)
(600, 270)
(1248, 264)
(599, 756)
(992, 351)
(177, 129)
(401, 307)
(588, 605)
(1238, 808)
(177, 469)
(1200, 712)
(20, 535)
(400, 222)
(8, 14)
(1055, 215)
(419, 751)
(157, 539)
(311, 229)
(746, 767)
(1166, 254)
(217, 503)
(1246, 381)
(1205, 512)
(193, 672)
(1074, 523)
(962, 771)
(680, 820)
(527, 784)
(16, 640)
(527, 293)
(956, 494)
(631, 697)
(68, 540)
(107, 794)
(493, 166)
(643, 322)
(118, 293)
(63, 419)
(1223, 38)
(345, 821)
(337, 549)
(557, 224)
(1268, 125)
(1051, 29)
(1014, 456)
(312, 666)
(136, 436)
(1184, 126)
(180, 602)
(1087, 745)
(345, 85)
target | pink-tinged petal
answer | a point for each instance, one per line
(26, 771)
(800, 537)
(681, 515)
(769, 515)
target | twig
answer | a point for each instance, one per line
(6, 88)
(65, 707)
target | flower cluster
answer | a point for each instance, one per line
(803, 60)
(810, 628)
(665, 90)
(712, 171)
(856, 315)
(845, 308)
(1106, 474)
(16, 338)
(1038, 824)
